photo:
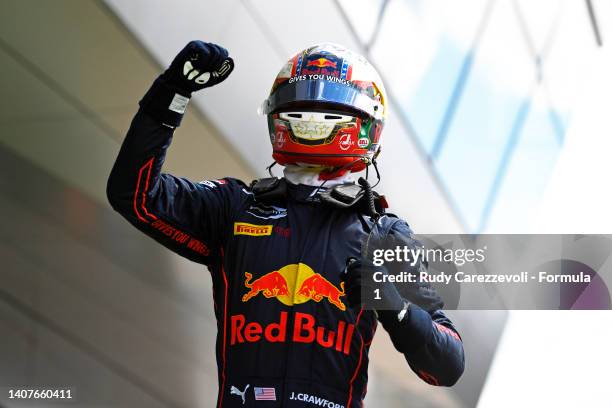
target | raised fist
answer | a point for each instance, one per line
(199, 65)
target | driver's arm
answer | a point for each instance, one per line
(184, 216)
(428, 339)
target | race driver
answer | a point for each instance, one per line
(288, 256)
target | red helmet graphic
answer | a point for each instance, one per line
(326, 108)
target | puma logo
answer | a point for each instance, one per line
(236, 391)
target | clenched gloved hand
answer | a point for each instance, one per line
(197, 66)
(361, 287)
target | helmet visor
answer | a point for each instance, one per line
(319, 91)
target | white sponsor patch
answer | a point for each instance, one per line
(179, 103)
(208, 184)
(267, 212)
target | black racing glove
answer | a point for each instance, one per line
(199, 65)
(362, 289)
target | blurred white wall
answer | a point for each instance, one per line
(579, 198)
(561, 358)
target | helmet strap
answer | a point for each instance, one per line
(269, 168)
(375, 164)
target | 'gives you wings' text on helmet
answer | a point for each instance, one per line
(327, 109)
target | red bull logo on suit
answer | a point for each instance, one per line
(291, 285)
(294, 284)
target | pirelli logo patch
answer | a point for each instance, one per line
(243, 228)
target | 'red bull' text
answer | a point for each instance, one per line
(304, 330)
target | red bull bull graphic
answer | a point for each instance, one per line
(294, 284)
(322, 63)
(317, 287)
(271, 285)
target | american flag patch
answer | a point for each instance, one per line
(265, 394)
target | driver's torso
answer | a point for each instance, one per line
(287, 336)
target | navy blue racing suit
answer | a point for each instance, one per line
(286, 337)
